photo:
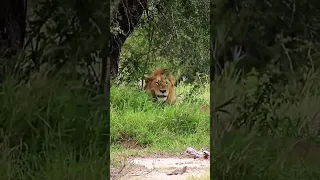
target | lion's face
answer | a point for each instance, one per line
(161, 87)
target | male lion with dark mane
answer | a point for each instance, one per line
(160, 86)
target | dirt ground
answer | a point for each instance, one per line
(157, 168)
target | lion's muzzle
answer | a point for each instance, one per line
(162, 95)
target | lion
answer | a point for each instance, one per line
(161, 87)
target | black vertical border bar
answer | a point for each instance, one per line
(212, 74)
(105, 78)
(108, 87)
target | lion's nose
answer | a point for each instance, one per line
(163, 90)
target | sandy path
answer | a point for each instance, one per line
(157, 168)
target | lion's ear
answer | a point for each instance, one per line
(172, 79)
(148, 79)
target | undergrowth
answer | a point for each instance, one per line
(270, 130)
(137, 122)
(50, 130)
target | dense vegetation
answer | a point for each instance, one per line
(265, 91)
(53, 122)
(271, 129)
(177, 41)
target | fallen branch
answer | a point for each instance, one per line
(198, 154)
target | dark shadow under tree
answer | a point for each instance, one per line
(12, 26)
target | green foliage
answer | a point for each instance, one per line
(53, 165)
(258, 109)
(260, 33)
(64, 34)
(261, 126)
(52, 129)
(138, 121)
(248, 156)
(47, 123)
(46, 115)
(176, 40)
(275, 102)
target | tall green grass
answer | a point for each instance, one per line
(50, 130)
(137, 122)
(258, 137)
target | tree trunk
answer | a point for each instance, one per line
(12, 26)
(127, 17)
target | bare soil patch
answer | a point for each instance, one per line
(156, 168)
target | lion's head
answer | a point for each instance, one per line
(160, 86)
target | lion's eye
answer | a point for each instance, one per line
(157, 83)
